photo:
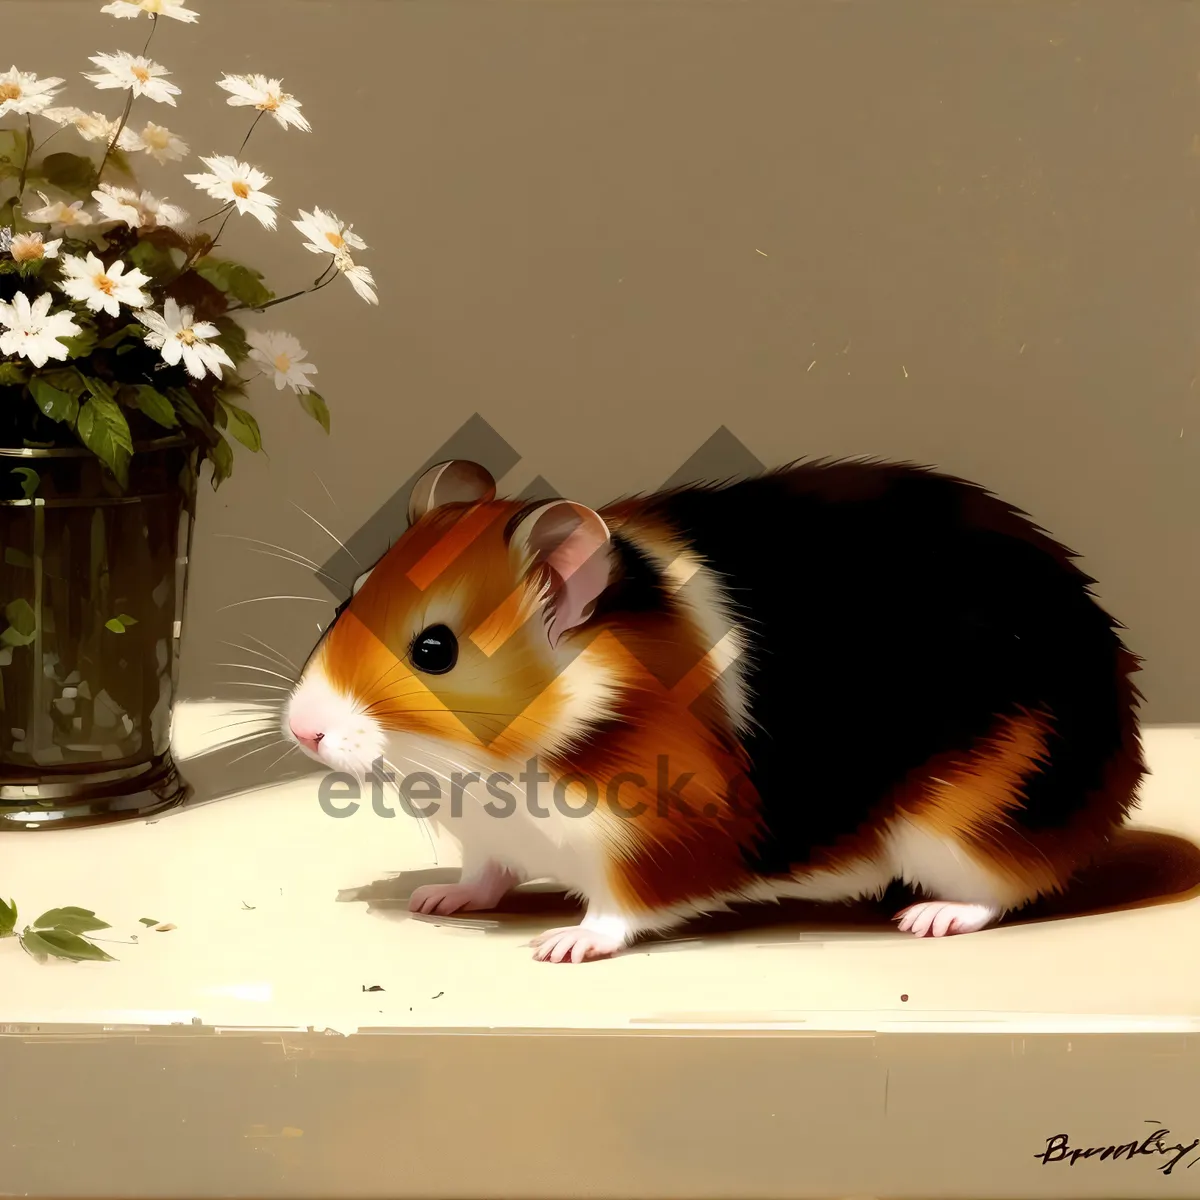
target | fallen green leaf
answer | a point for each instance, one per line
(73, 920)
(62, 943)
(8, 918)
(147, 920)
(30, 480)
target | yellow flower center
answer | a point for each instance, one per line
(240, 189)
(10, 91)
(336, 240)
(283, 364)
(67, 215)
(27, 247)
(270, 104)
(104, 284)
(187, 337)
(156, 137)
(140, 74)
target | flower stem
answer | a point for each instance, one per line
(219, 211)
(116, 137)
(150, 37)
(28, 156)
(221, 227)
(250, 130)
(316, 287)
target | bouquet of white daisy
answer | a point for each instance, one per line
(118, 318)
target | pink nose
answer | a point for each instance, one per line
(310, 739)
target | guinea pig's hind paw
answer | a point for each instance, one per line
(937, 918)
(574, 944)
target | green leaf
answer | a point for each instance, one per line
(74, 173)
(66, 380)
(104, 431)
(154, 260)
(15, 557)
(8, 918)
(221, 457)
(54, 402)
(30, 480)
(11, 374)
(244, 284)
(242, 425)
(121, 335)
(314, 404)
(72, 919)
(115, 624)
(81, 344)
(62, 943)
(155, 405)
(148, 921)
(21, 618)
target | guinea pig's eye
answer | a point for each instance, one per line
(435, 651)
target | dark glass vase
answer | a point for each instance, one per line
(93, 581)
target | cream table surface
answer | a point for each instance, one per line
(241, 1052)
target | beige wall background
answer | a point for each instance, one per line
(958, 233)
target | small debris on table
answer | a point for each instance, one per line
(147, 920)
(438, 996)
(373, 988)
(165, 928)
(904, 998)
(248, 907)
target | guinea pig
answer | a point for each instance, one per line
(813, 683)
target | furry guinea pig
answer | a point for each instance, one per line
(811, 684)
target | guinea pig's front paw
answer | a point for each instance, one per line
(574, 944)
(937, 918)
(442, 899)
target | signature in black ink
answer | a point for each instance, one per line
(1059, 1149)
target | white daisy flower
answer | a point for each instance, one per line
(178, 337)
(239, 183)
(360, 277)
(156, 8)
(326, 234)
(58, 214)
(22, 92)
(92, 126)
(133, 72)
(101, 288)
(267, 95)
(32, 330)
(283, 355)
(157, 141)
(30, 247)
(138, 210)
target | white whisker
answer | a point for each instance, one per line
(327, 491)
(274, 687)
(283, 658)
(328, 531)
(260, 599)
(294, 554)
(248, 667)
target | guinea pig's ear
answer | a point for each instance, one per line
(457, 481)
(573, 541)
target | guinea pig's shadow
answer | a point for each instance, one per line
(1142, 868)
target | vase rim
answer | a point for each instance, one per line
(83, 452)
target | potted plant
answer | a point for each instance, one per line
(125, 367)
